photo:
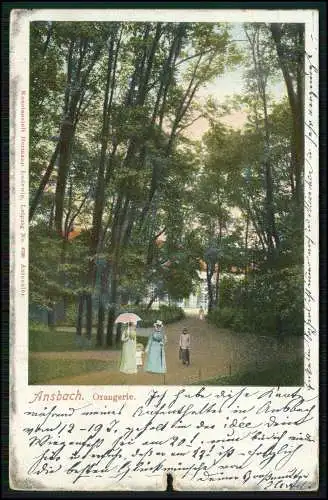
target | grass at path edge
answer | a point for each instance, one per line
(43, 370)
(279, 373)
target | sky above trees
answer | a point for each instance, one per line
(231, 83)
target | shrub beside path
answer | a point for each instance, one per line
(214, 352)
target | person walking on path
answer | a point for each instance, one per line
(201, 313)
(128, 361)
(184, 345)
(155, 350)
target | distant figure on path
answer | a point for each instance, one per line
(184, 345)
(155, 350)
(201, 313)
(128, 362)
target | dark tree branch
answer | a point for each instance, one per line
(45, 179)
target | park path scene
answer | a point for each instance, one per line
(214, 352)
(166, 172)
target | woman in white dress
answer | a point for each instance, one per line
(128, 361)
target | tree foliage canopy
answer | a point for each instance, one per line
(110, 108)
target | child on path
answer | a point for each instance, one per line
(184, 345)
(140, 355)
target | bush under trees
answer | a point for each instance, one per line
(267, 303)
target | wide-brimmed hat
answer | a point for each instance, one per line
(158, 322)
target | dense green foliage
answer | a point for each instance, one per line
(252, 185)
(113, 169)
(268, 303)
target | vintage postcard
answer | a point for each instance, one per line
(164, 250)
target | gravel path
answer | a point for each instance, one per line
(214, 352)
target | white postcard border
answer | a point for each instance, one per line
(21, 393)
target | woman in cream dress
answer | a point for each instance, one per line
(128, 362)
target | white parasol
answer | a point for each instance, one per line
(128, 317)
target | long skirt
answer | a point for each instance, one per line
(128, 361)
(156, 358)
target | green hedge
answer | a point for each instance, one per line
(167, 314)
(270, 302)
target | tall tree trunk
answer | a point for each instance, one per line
(296, 101)
(118, 336)
(101, 307)
(167, 74)
(181, 110)
(152, 300)
(217, 286)
(209, 275)
(100, 186)
(65, 141)
(89, 316)
(101, 322)
(148, 67)
(51, 315)
(47, 41)
(110, 326)
(77, 77)
(300, 119)
(52, 214)
(79, 321)
(45, 179)
(99, 204)
(218, 269)
(246, 244)
(272, 235)
(112, 305)
(62, 273)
